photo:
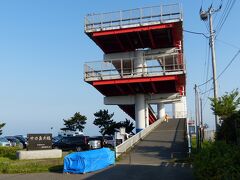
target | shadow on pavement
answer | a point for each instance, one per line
(139, 172)
(56, 169)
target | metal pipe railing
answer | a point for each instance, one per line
(123, 68)
(95, 22)
(129, 143)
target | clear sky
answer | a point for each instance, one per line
(43, 49)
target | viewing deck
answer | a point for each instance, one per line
(133, 18)
(158, 65)
(150, 27)
(161, 73)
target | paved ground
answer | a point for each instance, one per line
(150, 159)
(169, 171)
(162, 144)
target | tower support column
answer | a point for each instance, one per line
(140, 112)
(160, 111)
(179, 109)
(146, 115)
(139, 63)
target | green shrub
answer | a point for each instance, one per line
(217, 160)
(9, 152)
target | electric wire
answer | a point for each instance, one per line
(207, 99)
(205, 62)
(216, 14)
(208, 62)
(227, 43)
(209, 90)
(228, 65)
(205, 82)
(220, 28)
(197, 33)
(225, 15)
(223, 71)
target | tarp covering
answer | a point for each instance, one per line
(87, 161)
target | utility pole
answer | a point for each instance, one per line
(201, 122)
(196, 116)
(212, 44)
(205, 15)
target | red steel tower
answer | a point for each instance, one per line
(143, 61)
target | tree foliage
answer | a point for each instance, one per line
(104, 121)
(74, 123)
(108, 126)
(226, 107)
(128, 126)
(1, 126)
(117, 125)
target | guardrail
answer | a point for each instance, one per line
(132, 17)
(124, 68)
(126, 145)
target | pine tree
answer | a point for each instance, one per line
(74, 123)
(1, 126)
(104, 121)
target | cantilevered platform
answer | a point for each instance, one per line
(154, 85)
(152, 27)
(162, 73)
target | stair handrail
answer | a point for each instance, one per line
(132, 141)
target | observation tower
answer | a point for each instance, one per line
(142, 63)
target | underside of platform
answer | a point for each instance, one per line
(128, 39)
(153, 85)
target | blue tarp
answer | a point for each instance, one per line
(87, 161)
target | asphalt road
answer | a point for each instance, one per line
(152, 158)
(165, 143)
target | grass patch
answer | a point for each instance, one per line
(10, 164)
(217, 160)
(30, 166)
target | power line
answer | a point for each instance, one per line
(225, 15)
(227, 43)
(205, 82)
(234, 57)
(209, 90)
(208, 62)
(205, 62)
(197, 33)
(216, 15)
(206, 99)
(231, 6)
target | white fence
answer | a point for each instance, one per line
(126, 145)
